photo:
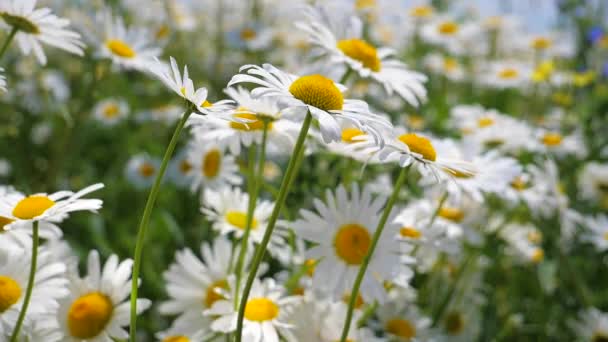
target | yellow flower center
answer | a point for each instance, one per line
(21, 23)
(583, 79)
(349, 133)
(310, 266)
(365, 4)
(162, 32)
(606, 236)
(206, 104)
(600, 336)
(147, 170)
(3, 222)
(485, 122)
(448, 28)
(110, 111)
(452, 214)
(184, 166)
(212, 295)
(361, 51)
(254, 125)
(422, 11)
(261, 309)
(32, 206)
(352, 243)
(552, 139)
(401, 328)
(120, 48)
(10, 292)
(508, 73)
(410, 232)
(449, 64)
(538, 255)
(239, 220)
(420, 145)
(211, 163)
(535, 236)
(248, 34)
(454, 323)
(317, 91)
(359, 302)
(541, 43)
(519, 184)
(89, 315)
(178, 338)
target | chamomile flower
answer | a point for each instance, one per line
(446, 66)
(141, 170)
(597, 232)
(342, 42)
(403, 322)
(16, 208)
(524, 242)
(347, 146)
(111, 111)
(343, 228)
(505, 74)
(555, 143)
(267, 313)
(592, 325)
(96, 308)
(210, 166)
(315, 93)
(184, 332)
(456, 37)
(36, 26)
(593, 182)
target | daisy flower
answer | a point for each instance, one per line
(342, 42)
(38, 25)
(111, 111)
(141, 170)
(343, 228)
(347, 146)
(524, 242)
(554, 142)
(210, 166)
(597, 232)
(403, 322)
(322, 97)
(505, 74)
(592, 325)
(445, 66)
(267, 313)
(96, 308)
(17, 208)
(446, 32)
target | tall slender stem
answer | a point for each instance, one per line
(8, 40)
(30, 284)
(143, 225)
(280, 201)
(385, 214)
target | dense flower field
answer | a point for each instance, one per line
(263, 170)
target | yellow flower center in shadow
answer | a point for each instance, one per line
(410, 232)
(317, 91)
(485, 122)
(10, 292)
(111, 111)
(147, 170)
(537, 255)
(519, 184)
(352, 243)
(508, 73)
(448, 28)
(212, 295)
(211, 163)
(261, 309)
(206, 104)
(365, 4)
(422, 11)
(420, 145)
(452, 214)
(361, 51)
(248, 34)
(552, 139)
(359, 302)
(449, 64)
(401, 328)
(454, 323)
(178, 338)
(348, 134)
(184, 166)
(89, 315)
(3, 222)
(254, 125)
(162, 32)
(239, 220)
(310, 266)
(541, 43)
(32, 206)
(120, 48)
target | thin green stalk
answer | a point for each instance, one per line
(346, 75)
(143, 225)
(385, 214)
(280, 201)
(30, 284)
(444, 197)
(8, 40)
(256, 179)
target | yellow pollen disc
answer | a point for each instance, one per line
(365, 4)
(606, 236)
(120, 48)
(310, 267)
(248, 34)
(147, 170)
(541, 43)
(3, 222)
(410, 232)
(317, 91)
(422, 11)
(239, 219)
(206, 104)
(361, 51)
(10, 292)
(448, 28)
(454, 323)
(485, 122)
(401, 327)
(519, 184)
(359, 302)
(416, 121)
(89, 315)
(298, 291)
(185, 166)
(212, 295)
(538, 255)
(535, 236)
(420, 145)
(178, 338)
(111, 111)
(552, 139)
(600, 336)
(352, 243)
(32, 206)
(261, 309)
(449, 64)
(255, 125)
(349, 133)
(162, 32)
(452, 214)
(508, 73)
(211, 163)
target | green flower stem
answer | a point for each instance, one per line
(145, 219)
(8, 40)
(30, 284)
(385, 214)
(256, 179)
(346, 75)
(280, 201)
